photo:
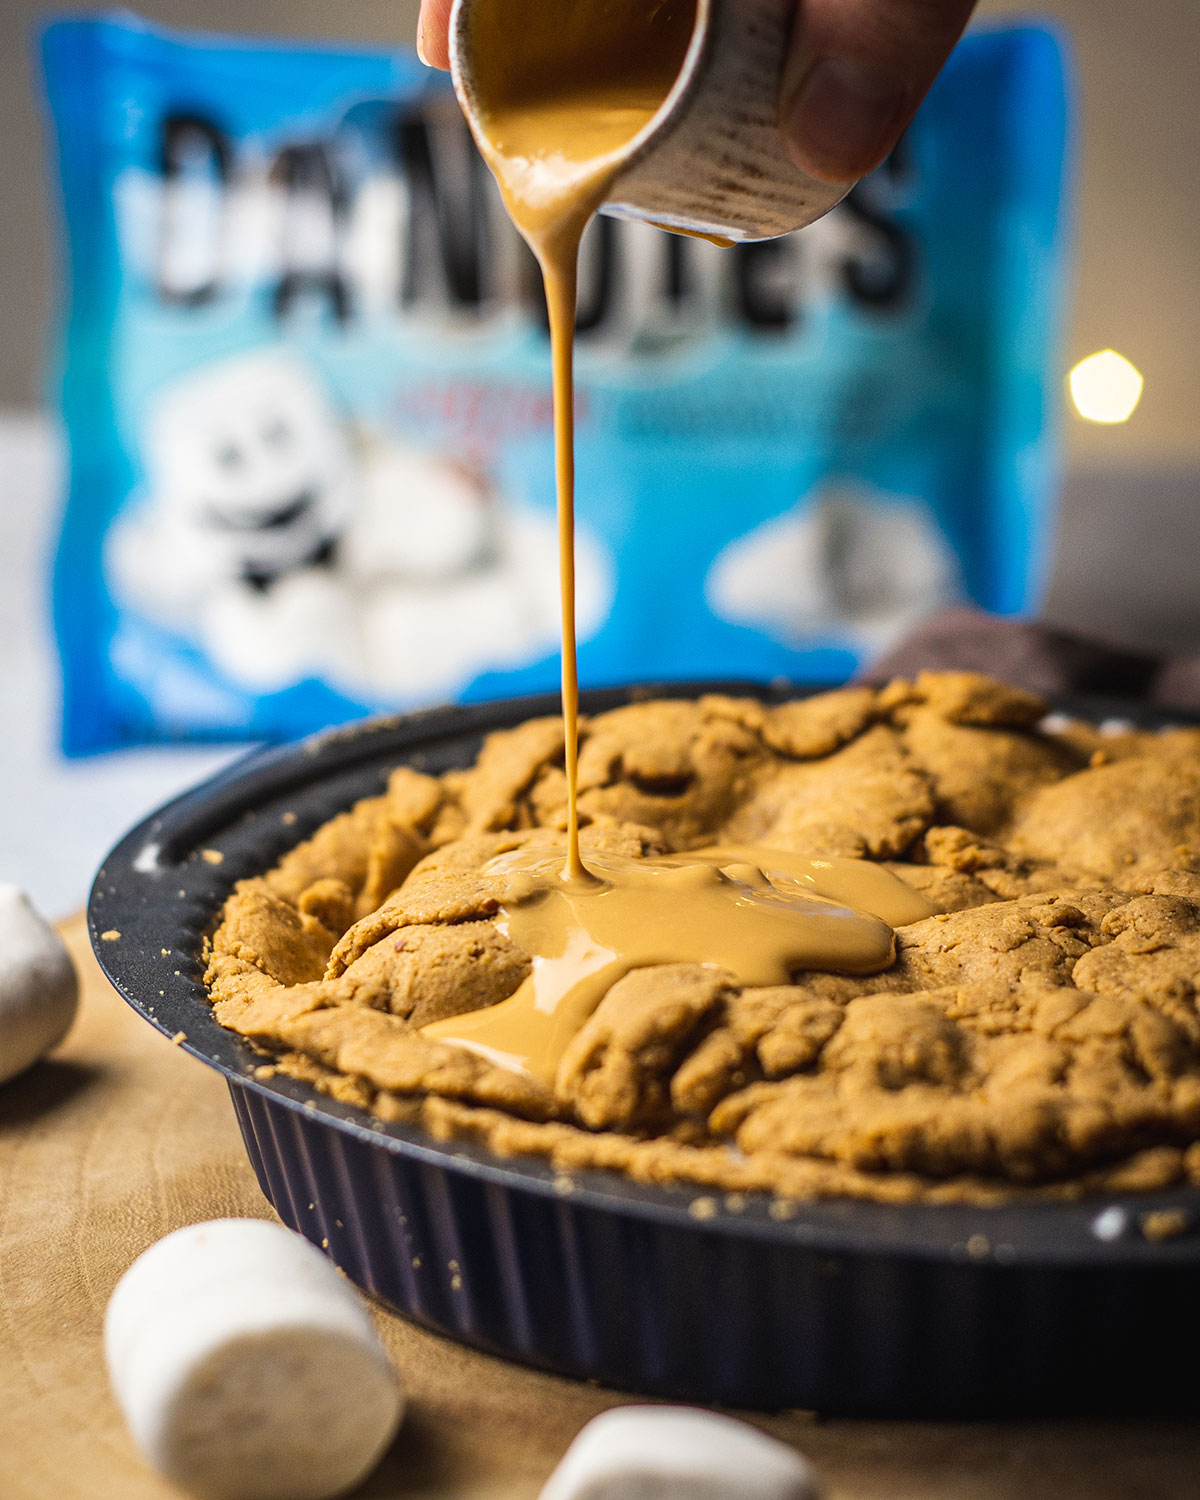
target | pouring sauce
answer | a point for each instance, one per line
(555, 119)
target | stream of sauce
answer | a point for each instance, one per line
(556, 115)
(558, 112)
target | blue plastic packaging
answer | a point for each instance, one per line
(305, 383)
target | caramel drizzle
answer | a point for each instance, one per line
(760, 914)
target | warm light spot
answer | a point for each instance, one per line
(1105, 387)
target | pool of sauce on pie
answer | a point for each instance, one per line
(556, 116)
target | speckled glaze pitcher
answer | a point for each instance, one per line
(712, 161)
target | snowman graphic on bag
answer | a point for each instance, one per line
(287, 545)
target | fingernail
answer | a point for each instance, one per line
(842, 121)
(421, 42)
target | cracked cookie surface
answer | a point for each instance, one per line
(1039, 1035)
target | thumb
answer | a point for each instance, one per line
(433, 33)
(858, 69)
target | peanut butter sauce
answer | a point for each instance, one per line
(557, 115)
(762, 914)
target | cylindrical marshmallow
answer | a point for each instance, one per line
(247, 1367)
(39, 990)
(677, 1453)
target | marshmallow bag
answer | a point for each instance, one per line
(305, 385)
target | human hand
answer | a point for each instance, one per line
(856, 73)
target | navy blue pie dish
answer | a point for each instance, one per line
(844, 1307)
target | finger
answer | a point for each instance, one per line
(858, 69)
(433, 33)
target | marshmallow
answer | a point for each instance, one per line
(247, 1367)
(38, 987)
(677, 1453)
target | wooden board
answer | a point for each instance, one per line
(121, 1138)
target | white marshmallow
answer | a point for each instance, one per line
(39, 990)
(677, 1453)
(247, 1367)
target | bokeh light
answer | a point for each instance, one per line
(1105, 387)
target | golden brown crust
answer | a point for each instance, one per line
(868, 798)
(1040, 1035)
(620, 1068)
(818, 726)
(1124, 821)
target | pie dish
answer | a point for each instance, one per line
(996, 1301)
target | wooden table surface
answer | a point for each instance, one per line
(121, 1138)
